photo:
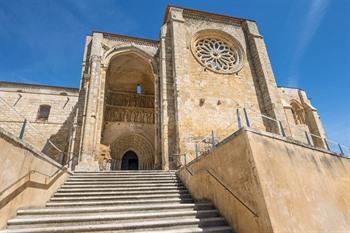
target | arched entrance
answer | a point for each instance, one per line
(129, 116)
(130, 161)
(135, 143)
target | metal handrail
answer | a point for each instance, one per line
(344, 150)
(179, 156)
(35, 171)
(217, 179)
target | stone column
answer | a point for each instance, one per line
(157, 113)
(87, 159)
(163, 113)
(100, 106)
(269, 99)
(179, 72)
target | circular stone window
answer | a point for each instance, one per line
(218, 54)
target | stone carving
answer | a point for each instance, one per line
(137, 143)
(130, 100)
(129, 115)
(217, 55)
(128, 107)
(104, 159)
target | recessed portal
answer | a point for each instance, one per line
(130, 161)
(130, 112)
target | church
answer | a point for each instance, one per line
(202, 104)
(150, 101)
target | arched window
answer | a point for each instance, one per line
(138, 89)
(298, 113)
(43, 112)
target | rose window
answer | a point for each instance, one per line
(217, 55)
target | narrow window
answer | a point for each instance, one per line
(298, 113)
(138, 89)
(43, 113)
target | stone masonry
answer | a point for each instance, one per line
(204, 68)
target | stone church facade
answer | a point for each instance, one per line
(151, 101)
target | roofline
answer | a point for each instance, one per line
(203, 13)
(38, 85)
(109, 34)
(298, 88)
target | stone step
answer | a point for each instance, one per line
(124, 185)
(136, 182)
(123, 173)
(113, 188)
(125, 177)
(219, 229)
(146, 226)
(105, 218)
(119, 209)
(120, 202)
(88, 179)
(102, 186)
(115, 212)
(110, 193)
(121, 197)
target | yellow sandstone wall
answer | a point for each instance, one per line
(305, 190)
(18, 189)
(290, 187)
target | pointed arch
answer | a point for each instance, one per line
(131, 50)
(136, 143)
(298, 112)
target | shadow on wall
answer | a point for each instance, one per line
(61, 139)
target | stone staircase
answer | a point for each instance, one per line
(121, 201)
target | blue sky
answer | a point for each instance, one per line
(41, 41)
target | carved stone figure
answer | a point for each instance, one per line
(104, 159)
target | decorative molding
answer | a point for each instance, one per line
(231, 21)
(136, 143)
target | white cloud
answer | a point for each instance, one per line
(313, 18)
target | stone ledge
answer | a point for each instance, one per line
(269, 135)
(19, 143)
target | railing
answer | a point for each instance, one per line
(27, 176)
(249, 118)
(17, 124)
(226, 187)
(23, 181)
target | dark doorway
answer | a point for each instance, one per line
(130, 161)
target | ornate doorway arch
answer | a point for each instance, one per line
(136, 143)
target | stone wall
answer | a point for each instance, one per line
(24, 100)
(28, 178)
(206, 100)
(264, 183)
(311, 123)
